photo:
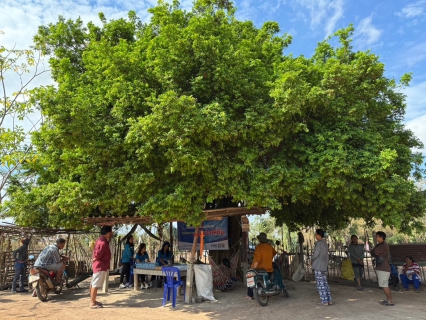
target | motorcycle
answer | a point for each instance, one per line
(263, 286)
(44, 282)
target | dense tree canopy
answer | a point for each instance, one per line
(160, 118)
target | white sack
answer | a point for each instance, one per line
(204, 281)
(299, 273)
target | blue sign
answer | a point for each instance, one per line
(215, 235)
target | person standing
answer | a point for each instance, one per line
(262, 259)
(319, 265)
(20, 257)
(356, 252)
(411, 274)
(100, 264)
(126, 261)
(380, 252)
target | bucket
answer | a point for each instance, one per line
(156, 283)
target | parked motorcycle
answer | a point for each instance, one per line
(263, 286)
(44, 282)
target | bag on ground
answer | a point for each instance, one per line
(299, 273)
(204, 281)
(347, 270)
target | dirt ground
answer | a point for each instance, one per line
(147, 304)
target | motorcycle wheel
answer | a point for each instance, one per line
(58, 289)
(41, 290)
(262, 299)
(286, 293)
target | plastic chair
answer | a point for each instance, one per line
(171, 284)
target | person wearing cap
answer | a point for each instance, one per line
(319, 265)
(101, 259)
(20, 257)
(411, 274)
(262, 259)
(51, 260)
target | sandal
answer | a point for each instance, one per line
(249, 298)
(385, 303)
(96, 306)
(330, 303)
(99, 303)
(323, 304)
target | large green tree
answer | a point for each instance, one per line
(159, 119)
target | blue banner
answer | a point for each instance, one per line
(215, 235)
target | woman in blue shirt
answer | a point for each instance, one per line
(164, 255)
(142, 256)
(126, 259)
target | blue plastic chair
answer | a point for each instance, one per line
(171, 284)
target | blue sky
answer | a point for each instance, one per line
(393, 29)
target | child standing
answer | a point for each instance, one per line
(126, 259)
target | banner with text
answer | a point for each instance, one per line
(215, 235)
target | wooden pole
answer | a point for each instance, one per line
(365, 254)
(106, 283)
(66, 252)
(171, 236)
(201, 244)
(244, 255)
(190, 274)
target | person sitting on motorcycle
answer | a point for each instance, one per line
(51, 260)
(263, 256)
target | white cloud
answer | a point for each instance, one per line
(21, 19)
(338, 13)
(414, 54)
(366, 33)
(324, 13)
(414, 9)
(416, 111)
(417, 125)
(416, 101)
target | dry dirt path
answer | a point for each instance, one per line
(147, 304)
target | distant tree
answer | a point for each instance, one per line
(18, 116)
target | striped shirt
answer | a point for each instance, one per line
(49, 255)
(415, 268)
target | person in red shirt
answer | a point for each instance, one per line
(100, 264)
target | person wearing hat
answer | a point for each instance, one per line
(411, 274)
(262, 259)
(101, 259)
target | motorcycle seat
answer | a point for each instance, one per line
(259, 271)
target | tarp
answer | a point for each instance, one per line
(215, 235)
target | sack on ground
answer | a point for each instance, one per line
(204, 281)
(347, 270)
(299, 273)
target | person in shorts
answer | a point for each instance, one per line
(50, 259)
(380, 252)
(100, 264)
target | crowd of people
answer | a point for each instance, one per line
(264, 253)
